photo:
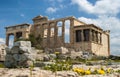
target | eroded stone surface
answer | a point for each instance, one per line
(20, 55)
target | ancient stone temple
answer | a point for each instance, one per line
(66, 32)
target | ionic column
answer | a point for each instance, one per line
(94, 36)
(48, 34)
(82, 34)
(100, 38)
(14, 37)
(71, 31)
(63, 31)
(90, 35)
(24, 34)
(42, 30)
(55, 34)
(7, 39)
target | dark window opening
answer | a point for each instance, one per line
(86, 34)
(18, 34)
(96, 36)
(93, 35)
(78, 36)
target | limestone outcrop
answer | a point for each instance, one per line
(20, 55)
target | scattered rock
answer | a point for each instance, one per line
(62, 50)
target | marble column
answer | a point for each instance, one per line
(94, 36)
(90, 35)
(7, 39)
(82, 34)
(15, 37)
(55, 35)
(42, 30)
(71, 31)
(48, 35)
(63, 32)
(100, 38)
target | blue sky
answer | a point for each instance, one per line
(103, 13)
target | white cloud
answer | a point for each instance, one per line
(2, 41)
(51, 10)
(61, 6)
(101, 6)
(22, 15)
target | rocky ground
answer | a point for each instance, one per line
(37, 72)
(23, 55)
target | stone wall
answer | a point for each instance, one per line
(18, 31)
(20, 55)
(2, 52)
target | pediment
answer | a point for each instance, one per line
(37, 17)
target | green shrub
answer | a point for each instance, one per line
(58, 67)
(2, 65)
(36, 41)
(118, 71)
(89, 63)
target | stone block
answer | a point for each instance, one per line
(23, 57)
(8, 57)
(9, 61)
(29, 63)
(20, 55)
(62, 50)
(23, 43)
(30, 56)
(24, 49)
(7, 50)
(14, 50)
(46, 57)
(16, 57)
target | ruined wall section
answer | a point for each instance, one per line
(92, 39)
(18, 31)
(50, 29)
(102, 49)
(80, 44)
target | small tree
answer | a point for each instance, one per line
(35, 41)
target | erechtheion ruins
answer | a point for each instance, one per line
(66, 32)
